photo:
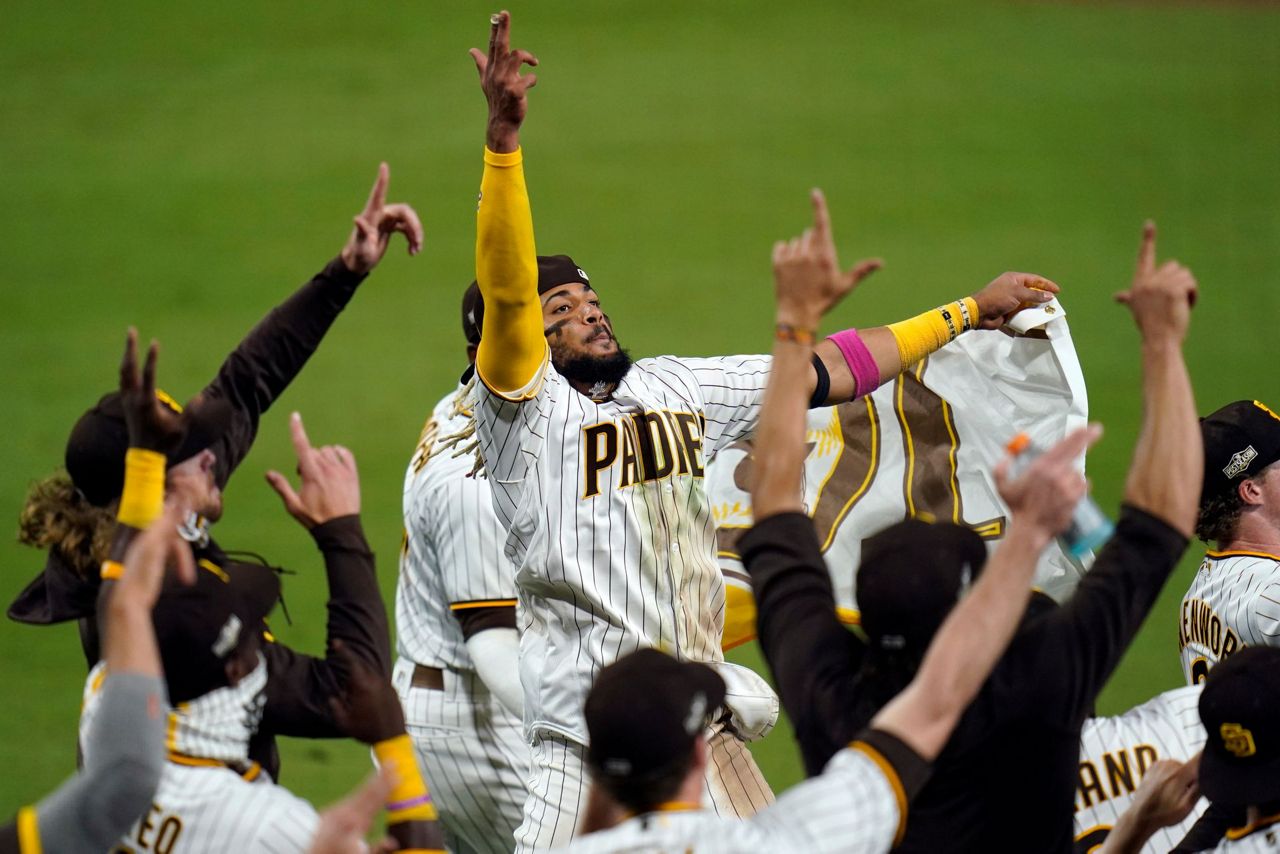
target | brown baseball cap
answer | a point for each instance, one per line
(644, 712)
(552, 270)
(1240, 765)
(96, 448)
(1240, 440)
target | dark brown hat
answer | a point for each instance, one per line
(644, 712)
(200, 627)
(1240, 440)
(1241, 761)
(912, 575)
(96, 448)
(552, 270)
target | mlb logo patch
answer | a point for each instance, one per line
(1240, 461)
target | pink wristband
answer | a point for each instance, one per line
(866, 374)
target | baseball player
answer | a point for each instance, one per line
(1117, 753)
(72, 516)
(457, 673)
(597, 466)
(1234, 599)
(1239, 769)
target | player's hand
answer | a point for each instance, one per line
(1008, 294)
(506, 91)
(808, 281)
(1046, 493)
(330, 483)
(151, 424)
(343, 826)
(376, 223)
(149, 554)
(368, 708)
(1161, 298)
(1168, 793)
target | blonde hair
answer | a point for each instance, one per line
(56, 515)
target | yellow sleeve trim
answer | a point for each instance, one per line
(529, 391)
(28, 831)
(890, 774)
(482, 603)
(503, 160)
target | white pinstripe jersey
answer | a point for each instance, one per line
(213, 809)
(610, 526)
(452, 555)
(1233, 601)
(1115, 753)
(852, 806)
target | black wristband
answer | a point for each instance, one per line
(823, 387)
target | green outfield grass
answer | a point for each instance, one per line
(183, 168)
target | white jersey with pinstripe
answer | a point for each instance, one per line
(1233, 601)
(1263, 839)
(213, 809)
(472, 750)
(452, 555)
(203, 804)
(609, 522)
(854, 805)
(1115, 753)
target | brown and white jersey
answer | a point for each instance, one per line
(1263, 838)
(1115, 753)
(1233, 601)
(609, 523)
(852, 806)
(452, 554)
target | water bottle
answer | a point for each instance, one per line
(1089, 527)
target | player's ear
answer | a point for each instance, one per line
(1250, 491)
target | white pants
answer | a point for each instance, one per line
(558, 787)
(473, 755)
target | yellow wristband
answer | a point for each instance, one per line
(28, 831)
(111, 570)
(409, 799)
(143, 498)
(926, 333)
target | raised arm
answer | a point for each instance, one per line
(853, 363)
(277, 348)
(514, 349)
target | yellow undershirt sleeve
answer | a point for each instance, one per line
(513, 350)
(926, 333)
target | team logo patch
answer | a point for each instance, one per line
(1237, 740)
(583, 274)
(1240, 461)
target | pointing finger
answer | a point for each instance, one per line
(149, 370)
(378, 195)
(500, 35)
(821, 217)
(298, 433)
(1147, 250)
(129, 362)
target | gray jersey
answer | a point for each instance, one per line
(1233, 601)
(452, 555)
(1115, 753)
(852, 806)
(609, 522)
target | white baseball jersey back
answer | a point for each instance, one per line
(213, 809)
(1115, 753)
(452, 556)
(609, 522)
(1233, 601)
(852, 806)
(472, 750)
(1262, 839)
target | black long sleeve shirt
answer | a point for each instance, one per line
(1007, 776)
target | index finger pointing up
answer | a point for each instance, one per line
(301, 444)
(378, 195)
(821, 217)
(499, 35)
(1147, 251)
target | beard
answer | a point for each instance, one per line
(593, 369)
